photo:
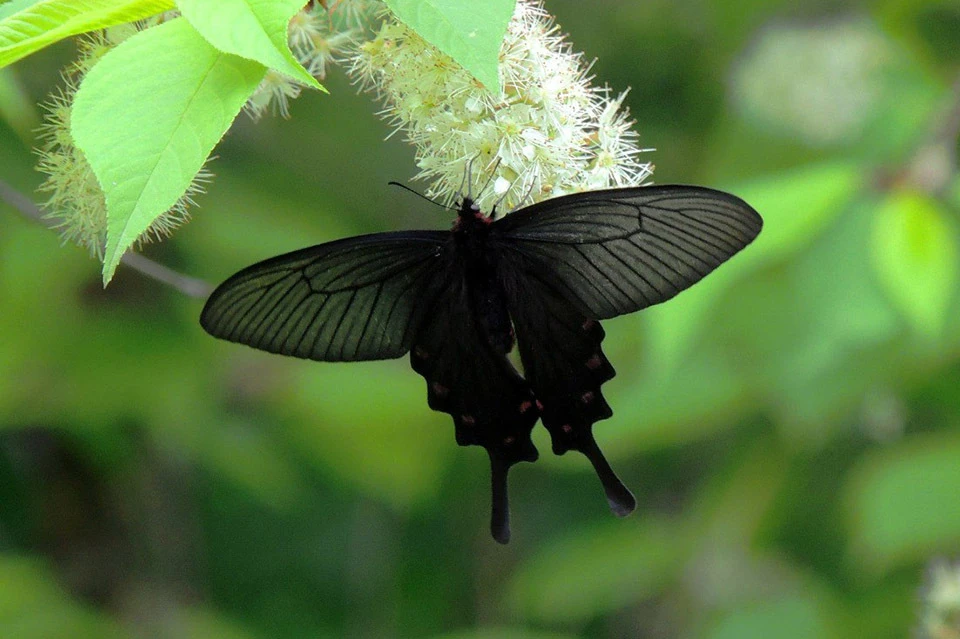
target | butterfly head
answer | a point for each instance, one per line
(468, 207)
(469, 211)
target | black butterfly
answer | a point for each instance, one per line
(456, 299)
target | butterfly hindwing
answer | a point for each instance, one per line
(565, 365)
(491, 404)
(618, 251)
(356, 299)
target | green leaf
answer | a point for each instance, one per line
(953, 194)
(469, 32)
(148, 115)
(17, 107)
(15, 6)
(592, 572)
(250, 29)
(903, 502)
(209, 622)
(38, 24)
(927, 28)
(650, 416)
(240, 451)
(28, 585)
(349, 423)
(915, 258)
(790, 617)
(825, 320)
(795, 207)
(503, 632)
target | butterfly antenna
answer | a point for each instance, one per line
(500, 506)
(466, 182)
(421, 195)
(496, 205)
(493, 174)
(621, 500)
(527, 194)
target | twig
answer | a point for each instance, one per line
(189, 286)
(934, 163)
(951, 122)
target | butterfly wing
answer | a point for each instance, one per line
(563, 361)
(567, 262)
(360, 298)
(491, 404)
(620, 250)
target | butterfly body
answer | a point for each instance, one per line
(459, 301)
(478, 266)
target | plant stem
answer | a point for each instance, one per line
(189, 286)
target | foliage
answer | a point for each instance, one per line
(194, 77)
(468, 32)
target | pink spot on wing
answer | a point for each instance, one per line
(539, 405)
(468, 420)
(509, 440)
(525, 406)
(439, 389)
(594, 362)
(589, 324)
(421, 352)
(567, 428)
(587, 397)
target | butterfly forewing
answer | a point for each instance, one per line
(618, 251)
(356, 299)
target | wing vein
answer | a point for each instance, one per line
(341, 322)
(634, 271)
(366, 324)
(718, 243)
(264, 305)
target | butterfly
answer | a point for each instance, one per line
(458, 301)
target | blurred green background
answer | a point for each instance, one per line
(791, 426)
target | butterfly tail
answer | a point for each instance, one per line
(491, 404)
(621, 500)
(502, 458)
(500, 505)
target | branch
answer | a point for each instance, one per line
(934, 163)
(189, 286)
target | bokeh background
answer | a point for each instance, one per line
(791, 426)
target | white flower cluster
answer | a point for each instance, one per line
(940, 618)
(549, 133)
(76, 203)
(819, 83)
(318, 36)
